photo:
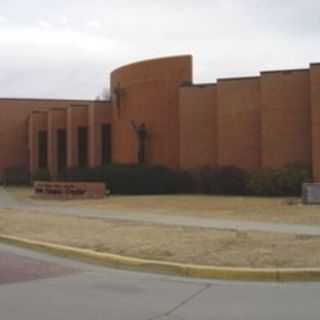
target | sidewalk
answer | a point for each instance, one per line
(6, 201)
(188, 221)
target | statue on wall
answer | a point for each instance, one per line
(118, 93)
(141, 134)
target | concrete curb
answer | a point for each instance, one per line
(179, 269)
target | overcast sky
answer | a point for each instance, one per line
(67, 48)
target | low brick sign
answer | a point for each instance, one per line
(311, 193)
(69, 190)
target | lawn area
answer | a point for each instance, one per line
(284, 210)
(178, 244)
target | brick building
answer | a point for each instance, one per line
(265, 121)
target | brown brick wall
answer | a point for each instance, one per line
(14, 115)
(56, 120)
(239, 124)
(15, 132)
(286, 118)
(315, 123)
(266, 121)
(77, 116)
(151, 97)
(198, 126)
(98, 113)
(39, 121)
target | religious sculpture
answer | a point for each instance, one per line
(141, 134)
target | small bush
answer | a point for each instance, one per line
(286, 181)
(223, 180)
(41, 175)
(16, 176)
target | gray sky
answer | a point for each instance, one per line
(67, 48)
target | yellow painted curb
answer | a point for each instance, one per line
(179, 269)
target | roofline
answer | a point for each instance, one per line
(284, 71)
(199, 85)
(54, 100)
(153, 60)
(238, 78)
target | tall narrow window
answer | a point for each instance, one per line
(62, 149)
(83, 146)
(43, 149)
(106, 143)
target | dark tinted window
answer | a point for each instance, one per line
(106, 143)
(62, 149)
(43, 149)
(83, 146)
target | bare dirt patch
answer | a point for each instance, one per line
(282, 210)
(178, 244)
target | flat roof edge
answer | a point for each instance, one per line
(54, 100)
(239, 78)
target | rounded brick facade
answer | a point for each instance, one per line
(148, 93)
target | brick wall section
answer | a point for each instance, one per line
(239, 125)
(198, 126)
(39, 121)
(266, 121)
(145, 103)
(15, 131)
(99, 114)
(286, 118)
(77, 116)
(315, 104)
(151, 97)
(56, 120)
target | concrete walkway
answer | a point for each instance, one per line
(187, 221)
(6, 201)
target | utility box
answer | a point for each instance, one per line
(311, 193)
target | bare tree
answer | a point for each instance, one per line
(104, 95)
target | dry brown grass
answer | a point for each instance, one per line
(179, 244)
(284, 210)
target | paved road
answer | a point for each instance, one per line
(35, 286)
(6, 201)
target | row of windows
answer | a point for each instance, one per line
(83, 142)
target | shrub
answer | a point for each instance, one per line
(41, 175)
(133, 179)
(286, 181)
(16, 176)
(223, 180)
(137, 179)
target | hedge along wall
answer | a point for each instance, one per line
(134, 179)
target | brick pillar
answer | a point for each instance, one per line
(32, 144)
(70, 140)
(38, 121)
(315, 119)
(51, 159)
(92, 136)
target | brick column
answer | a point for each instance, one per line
(70, 140)
(38, 121)
(51, 159)
(315, 119)
(32, 144)
(92, 136)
